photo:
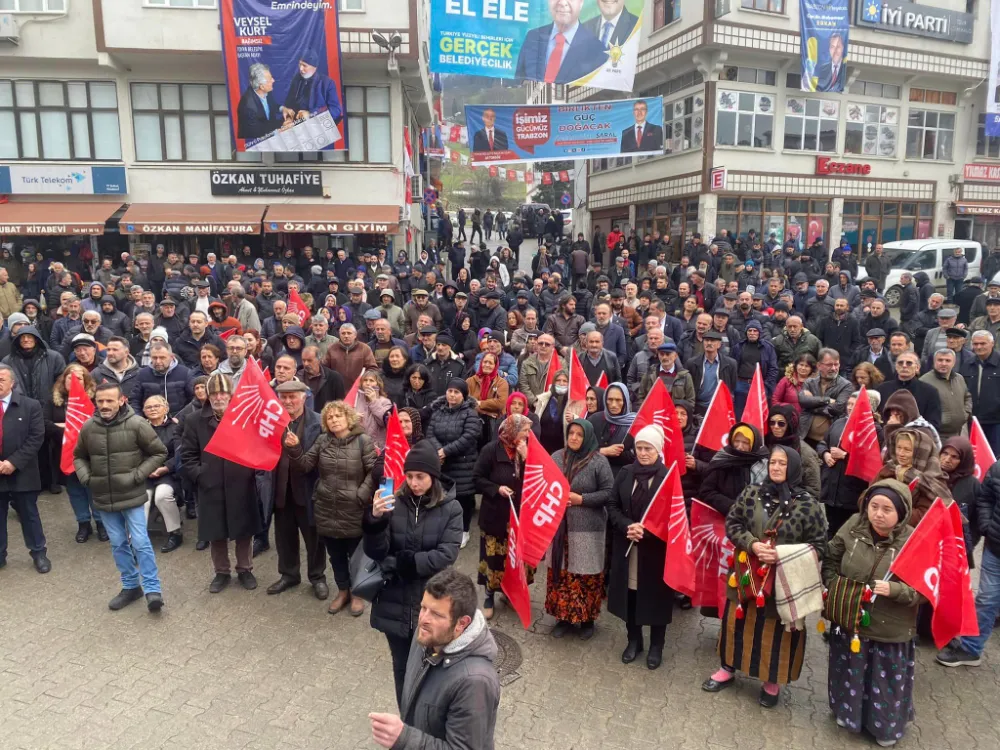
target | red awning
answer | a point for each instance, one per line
(192, 218)
(55, 218)
(318, 218)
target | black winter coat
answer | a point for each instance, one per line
(495, 469)
(443, 373)
(987, 506)
(169, 434)
(37, 372)
(456, 429)
(176, 386)
(609, 434)
(23, 435)
(838, 489)
(227, 491)
(654, 599)
(430, 533)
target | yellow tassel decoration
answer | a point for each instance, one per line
(732, 580)
(855, 644)
(743, 557)
(821, 626)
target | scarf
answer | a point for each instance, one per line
(642, 495)
(782, 492)
(966, 460)
(516, 396)
(791, 438)
(486, 381)
(573, 464)
(627, 417)
(510, 428)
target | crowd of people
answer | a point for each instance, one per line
(472, 353)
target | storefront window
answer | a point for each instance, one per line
(684, 123)
(677, 219)
(930, 135)
(872, 130)
(744, 119)
(886, 221)
(811, 124)
(801, 222)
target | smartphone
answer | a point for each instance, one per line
(388, 488)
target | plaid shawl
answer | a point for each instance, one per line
(798, 587)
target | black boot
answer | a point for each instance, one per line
(83, 532)
(632, 650)
(191, 511)
(102, 533)
(655, 656)
(174, 540)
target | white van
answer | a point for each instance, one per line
(923, 255)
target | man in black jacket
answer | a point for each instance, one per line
(909, 302)
(326, 384)
(443, 367)
(21, 437)
(188, 345)
(841, 332)
(982, 376)
(907, 379)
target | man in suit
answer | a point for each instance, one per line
(642, 136)
(489, 138)
(562, 51)
(21, 437)
(258, 113)
(833, 74)
(614, 25)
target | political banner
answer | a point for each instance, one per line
(823, 27)
(583, 42)
(992, 104)
(432, 143)
(283, 76)
(502, 134)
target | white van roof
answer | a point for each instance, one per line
(929, 242)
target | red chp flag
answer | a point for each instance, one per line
(719, 420)
(933, 561)
(602, 381)
(79, 408)
(860, 441)
(515, 583)
(544, 498)
(981, 449)
(550, 374)
(578, 383)
(755, 412)
(396, 448)
(252, 428)
(678, 567)
(659, 409)
(297, 307)
(351, 399)
(227, 333)
(710, 550)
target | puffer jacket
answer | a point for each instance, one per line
(176, 386)
(113, 459)
(456, 430)
(852, 553)
(429, 528)
(36, 371)
(344, 490)
(986, 509)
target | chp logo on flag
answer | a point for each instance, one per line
(543, 502)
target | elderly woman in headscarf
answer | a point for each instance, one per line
(959, 463)
(612, 424)
(552, 413)
(913, 457)
(734, 467)
(871, 688)
(498, 476)
(901, 410)
(576, 570)
(517, 403)
(753, 639)
(783, 429)
(636, 591)
(696, 457)
(839, 491)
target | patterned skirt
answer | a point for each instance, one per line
(759, 646)
(873, 689)
(492, 558)
(576, 598)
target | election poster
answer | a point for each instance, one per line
(824, 26)
(992, 92)
(432, 142)
(581, 42)
(502, 134)
(283, 74)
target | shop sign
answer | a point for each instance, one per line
(68, 180)
(827, 166)
(330, 227)
(905, 17)
(267, 182)
(717, 178)
(185, 228)
(981, 209)
(50, 229)
(982, 172)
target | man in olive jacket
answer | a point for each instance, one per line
(116, 453)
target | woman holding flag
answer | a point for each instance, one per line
(611, 425)
(576, 572)
(552, 413)
(913, 458)
(636, 591)
(753, 640)
(871, 669)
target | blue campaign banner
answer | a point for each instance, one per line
(585, 42)
(824, 27)
(283, 76)
(502, 134)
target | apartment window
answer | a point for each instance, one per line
(33, 6)
(59, 120)
(985, 145)
(933, 96)
(352, 6)
(744, 119)
(760, 76)
(872, 130)
(368, 137)
(930, 135)
(771, 6)
(684, 124)
(179, 3)
(811, 124)
(873, 88)
(665, 12)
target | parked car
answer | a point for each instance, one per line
(927, 256)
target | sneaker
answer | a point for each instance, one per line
(247, 580)
(956, 656)
(154, 601)
(465, 539)
(124, 598)
(886, 743)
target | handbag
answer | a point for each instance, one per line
(847, 604)
(367, 578)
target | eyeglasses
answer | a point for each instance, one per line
(778, 423)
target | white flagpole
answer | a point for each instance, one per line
(648, 507)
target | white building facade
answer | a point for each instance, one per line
(128, 98)
(900, 154)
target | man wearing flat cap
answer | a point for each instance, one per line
(311, 90)
(876, 353)
(991, 320)
(947, 317)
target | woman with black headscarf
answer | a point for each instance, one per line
(959, 463)
(734, 467)
(783, 429)
(612, 424)
(466, 343)
(575, 586)
(551, 411)
(753, 639)
(418, 392)
(696, 457)
(636, 591)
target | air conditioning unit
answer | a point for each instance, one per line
(9, 31)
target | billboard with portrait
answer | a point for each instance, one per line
(283, 77)
(824, 27)
(583, 42)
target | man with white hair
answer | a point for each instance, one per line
(244, 311)
(982, 376)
